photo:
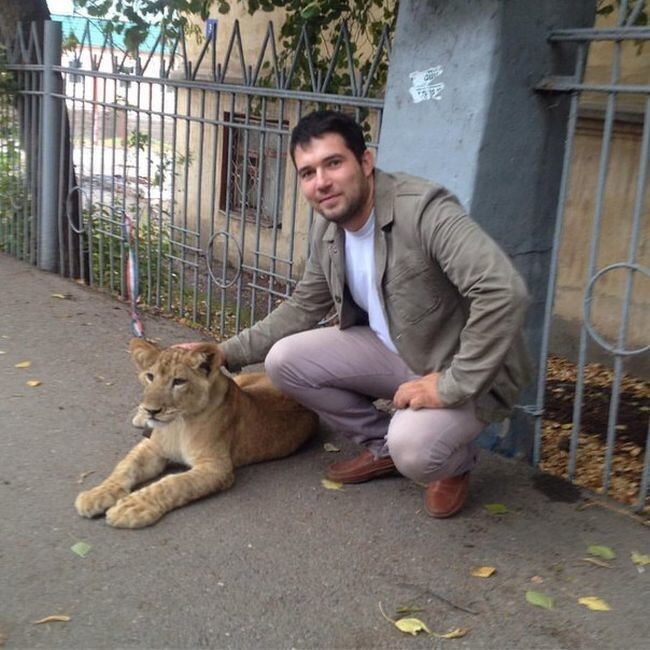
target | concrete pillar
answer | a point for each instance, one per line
(461, 109)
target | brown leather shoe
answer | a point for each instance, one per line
(446, 497)
(363, 467)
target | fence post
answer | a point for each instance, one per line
(48, 230)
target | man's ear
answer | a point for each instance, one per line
(143, 353)
(208, 357)
(367, 162)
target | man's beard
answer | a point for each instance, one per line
(348, 212)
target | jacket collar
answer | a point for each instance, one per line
(384, 195)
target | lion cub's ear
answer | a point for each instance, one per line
(144, 354)
(209, 357)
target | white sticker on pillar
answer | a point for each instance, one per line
(424, 86)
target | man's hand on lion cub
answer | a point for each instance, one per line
(202, 418)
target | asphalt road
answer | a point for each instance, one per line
(277, 561)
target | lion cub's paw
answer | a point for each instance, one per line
(96, 501)
(133, 512)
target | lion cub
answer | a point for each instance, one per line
(201, 418)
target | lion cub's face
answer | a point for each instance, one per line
(177, 382)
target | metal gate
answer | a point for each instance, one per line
(180, 158)
(595, 425)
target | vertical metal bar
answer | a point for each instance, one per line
(33, 213)
(116, 128)
(159, 220)
(94, 266)
(186, 193)
(139, 147)
(83, 266)
(102, 199)
(146, 231)
(48, 236)
(199, 200)
(631, 258)
(60, 171)
(593, 256)
(645, 478)
(214, 208)
(555, 252)
(260, 137)
(170, 263)
(121, 252)
(244, 207)
(230, 140)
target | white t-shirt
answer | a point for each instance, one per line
(360, 278)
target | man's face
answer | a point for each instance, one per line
(334, 182)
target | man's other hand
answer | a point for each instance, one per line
(419, 393)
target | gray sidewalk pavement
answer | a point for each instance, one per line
(277, 561)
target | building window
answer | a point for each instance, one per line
(254, 163)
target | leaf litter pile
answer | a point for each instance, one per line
(631, 428)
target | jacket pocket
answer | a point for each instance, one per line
(410, 294)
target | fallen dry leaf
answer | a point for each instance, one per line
(594, 603)
(331, 485)
(483, 571)
(23, 364)
(537, 580)
(456, 633)
(84, 475)
(628, 462)
(328, 446)
(32, 383)
(406, 610)
(61, 296)
(56, 618)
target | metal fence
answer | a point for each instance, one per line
(192, 152)
(182, 162)
(610, 453)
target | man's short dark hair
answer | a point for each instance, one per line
(319, 123)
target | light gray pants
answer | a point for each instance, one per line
(339, 373)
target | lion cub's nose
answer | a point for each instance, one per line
(152, 412)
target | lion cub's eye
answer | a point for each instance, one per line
(149, 376)
(178, 381)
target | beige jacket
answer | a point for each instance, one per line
(453, 301)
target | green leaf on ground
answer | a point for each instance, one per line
(640, 559)
(81, 548)
(411, 626)
(496, 508)
(539, 599)
(601, 551)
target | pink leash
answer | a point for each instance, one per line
(132, 279)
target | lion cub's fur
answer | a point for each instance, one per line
(202, 418)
